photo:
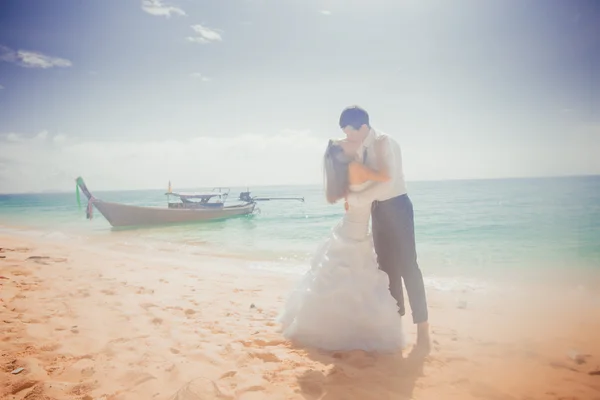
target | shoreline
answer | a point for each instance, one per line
(457, 278)
(91, 325)
(438, 273)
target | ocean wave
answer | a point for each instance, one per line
(458, 284)
(40, 234)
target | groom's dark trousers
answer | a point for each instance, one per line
(394, 238)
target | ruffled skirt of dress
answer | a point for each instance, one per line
(344, 302)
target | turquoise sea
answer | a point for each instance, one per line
(487, 228)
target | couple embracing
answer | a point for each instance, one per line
(352, 297)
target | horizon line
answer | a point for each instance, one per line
(54, 191)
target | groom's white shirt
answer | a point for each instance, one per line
(380, 191)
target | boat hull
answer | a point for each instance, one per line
(124, 215)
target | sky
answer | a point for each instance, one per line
(131, 94)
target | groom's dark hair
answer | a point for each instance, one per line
(355, 117)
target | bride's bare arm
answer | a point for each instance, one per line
(359, 173)
(379, 189)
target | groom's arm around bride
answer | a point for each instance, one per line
(381, 157)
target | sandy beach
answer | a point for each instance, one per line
(83, 324)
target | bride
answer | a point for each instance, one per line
(344, 302)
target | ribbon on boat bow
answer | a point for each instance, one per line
(78, 196)
(89, 212)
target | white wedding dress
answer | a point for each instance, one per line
(344, 302)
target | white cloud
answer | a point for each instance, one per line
(59, 138)
(205, 35)
(13, 137)
(31, 59)
(42, 135)
(1, 87)
(198, 75)
(291, 157)
(158, 8)
(16, 137)
(325, 12)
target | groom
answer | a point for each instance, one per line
(392, 217)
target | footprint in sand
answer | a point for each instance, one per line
(24, 384)
(45, 260)
(11, 365)
(17, 249)
(228, 374)
(143, 290)
(189, 312)
(134, 378)
(51, 347)
(211, 326)
(18, 272)
(247, 290)
(311, 383)
(119, 340)
(201, 388)
(264, 356)
(252, 388)
(82, 389)
(27, 351)
(147, 306)
(262, 343)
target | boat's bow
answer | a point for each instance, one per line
(90, 205)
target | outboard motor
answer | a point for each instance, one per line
(245, 196)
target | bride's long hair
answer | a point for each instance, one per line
(336, 172)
